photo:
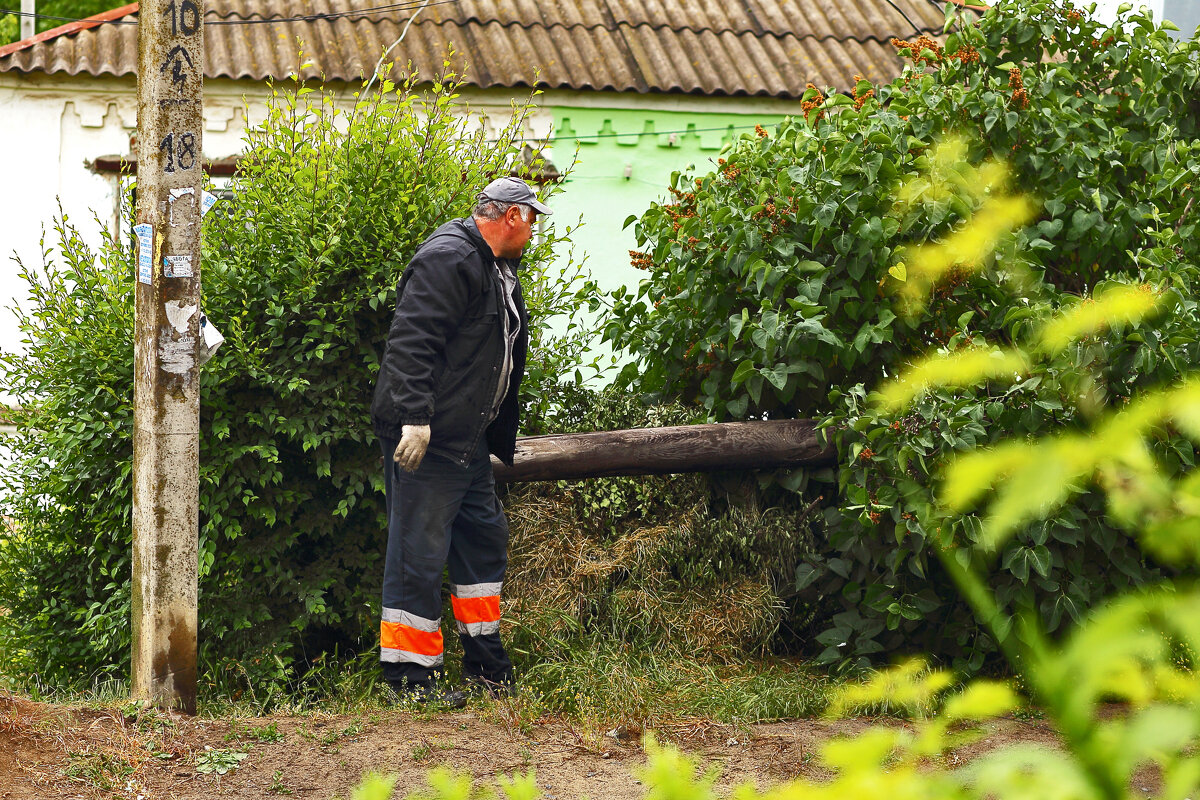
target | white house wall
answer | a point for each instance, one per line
(30, 138)
(54, 126)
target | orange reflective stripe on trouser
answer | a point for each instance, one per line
(407, 637)
(476, 608)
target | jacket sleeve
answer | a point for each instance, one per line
(430, 307)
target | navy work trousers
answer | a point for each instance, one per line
(442, 514)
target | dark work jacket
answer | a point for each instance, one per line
(445, 347)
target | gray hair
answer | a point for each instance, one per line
(487, 208)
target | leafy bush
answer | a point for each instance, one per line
(770, 292)
(300, 268)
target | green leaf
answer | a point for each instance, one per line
(743, 371)
(777, 375)
(805, 575)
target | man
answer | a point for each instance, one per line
(446, 396)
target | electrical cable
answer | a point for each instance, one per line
(906, 19)
(403, 33)
(358, 12)
(330, 17)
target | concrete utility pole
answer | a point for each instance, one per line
(166, 395)
(28, 21)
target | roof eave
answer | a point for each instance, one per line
(71, 27)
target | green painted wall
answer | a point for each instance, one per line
(611, 142)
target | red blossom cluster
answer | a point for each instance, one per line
(914, 50)
(710, 359)
(859, 99)
(955, 277)
(966, 54)
(779, 213)
(684, 198)
(640, 260)
(1020, 98)
(809, 106)
(729, 171)
(685, 208)
(761, 131)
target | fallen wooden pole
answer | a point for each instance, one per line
(658, 451)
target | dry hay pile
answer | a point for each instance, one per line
(666, 565)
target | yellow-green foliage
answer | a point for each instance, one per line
(1137, 650)
(1032, 479)
(965, 367)
(1109, 308)
(951, 178)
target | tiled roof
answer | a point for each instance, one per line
(706, 47)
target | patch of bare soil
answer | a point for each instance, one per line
(56, 752)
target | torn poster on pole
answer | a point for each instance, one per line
(207, 201)
(145, 237)
(177, 266)
(211, 339)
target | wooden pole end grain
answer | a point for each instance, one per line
(767, 444)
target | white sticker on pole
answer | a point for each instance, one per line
(207, 201)
(145, 237)
(177, 266)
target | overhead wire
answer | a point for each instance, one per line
(357, 12)
(331, 16)
(390, 47)
(326, 17)
(906, 19)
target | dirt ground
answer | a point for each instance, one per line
(57, 752)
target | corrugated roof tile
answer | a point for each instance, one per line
(715, 47)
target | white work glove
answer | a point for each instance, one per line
(414, 439)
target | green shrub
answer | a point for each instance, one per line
(299, 273)
(771, 281)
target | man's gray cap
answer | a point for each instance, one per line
(514, 190)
